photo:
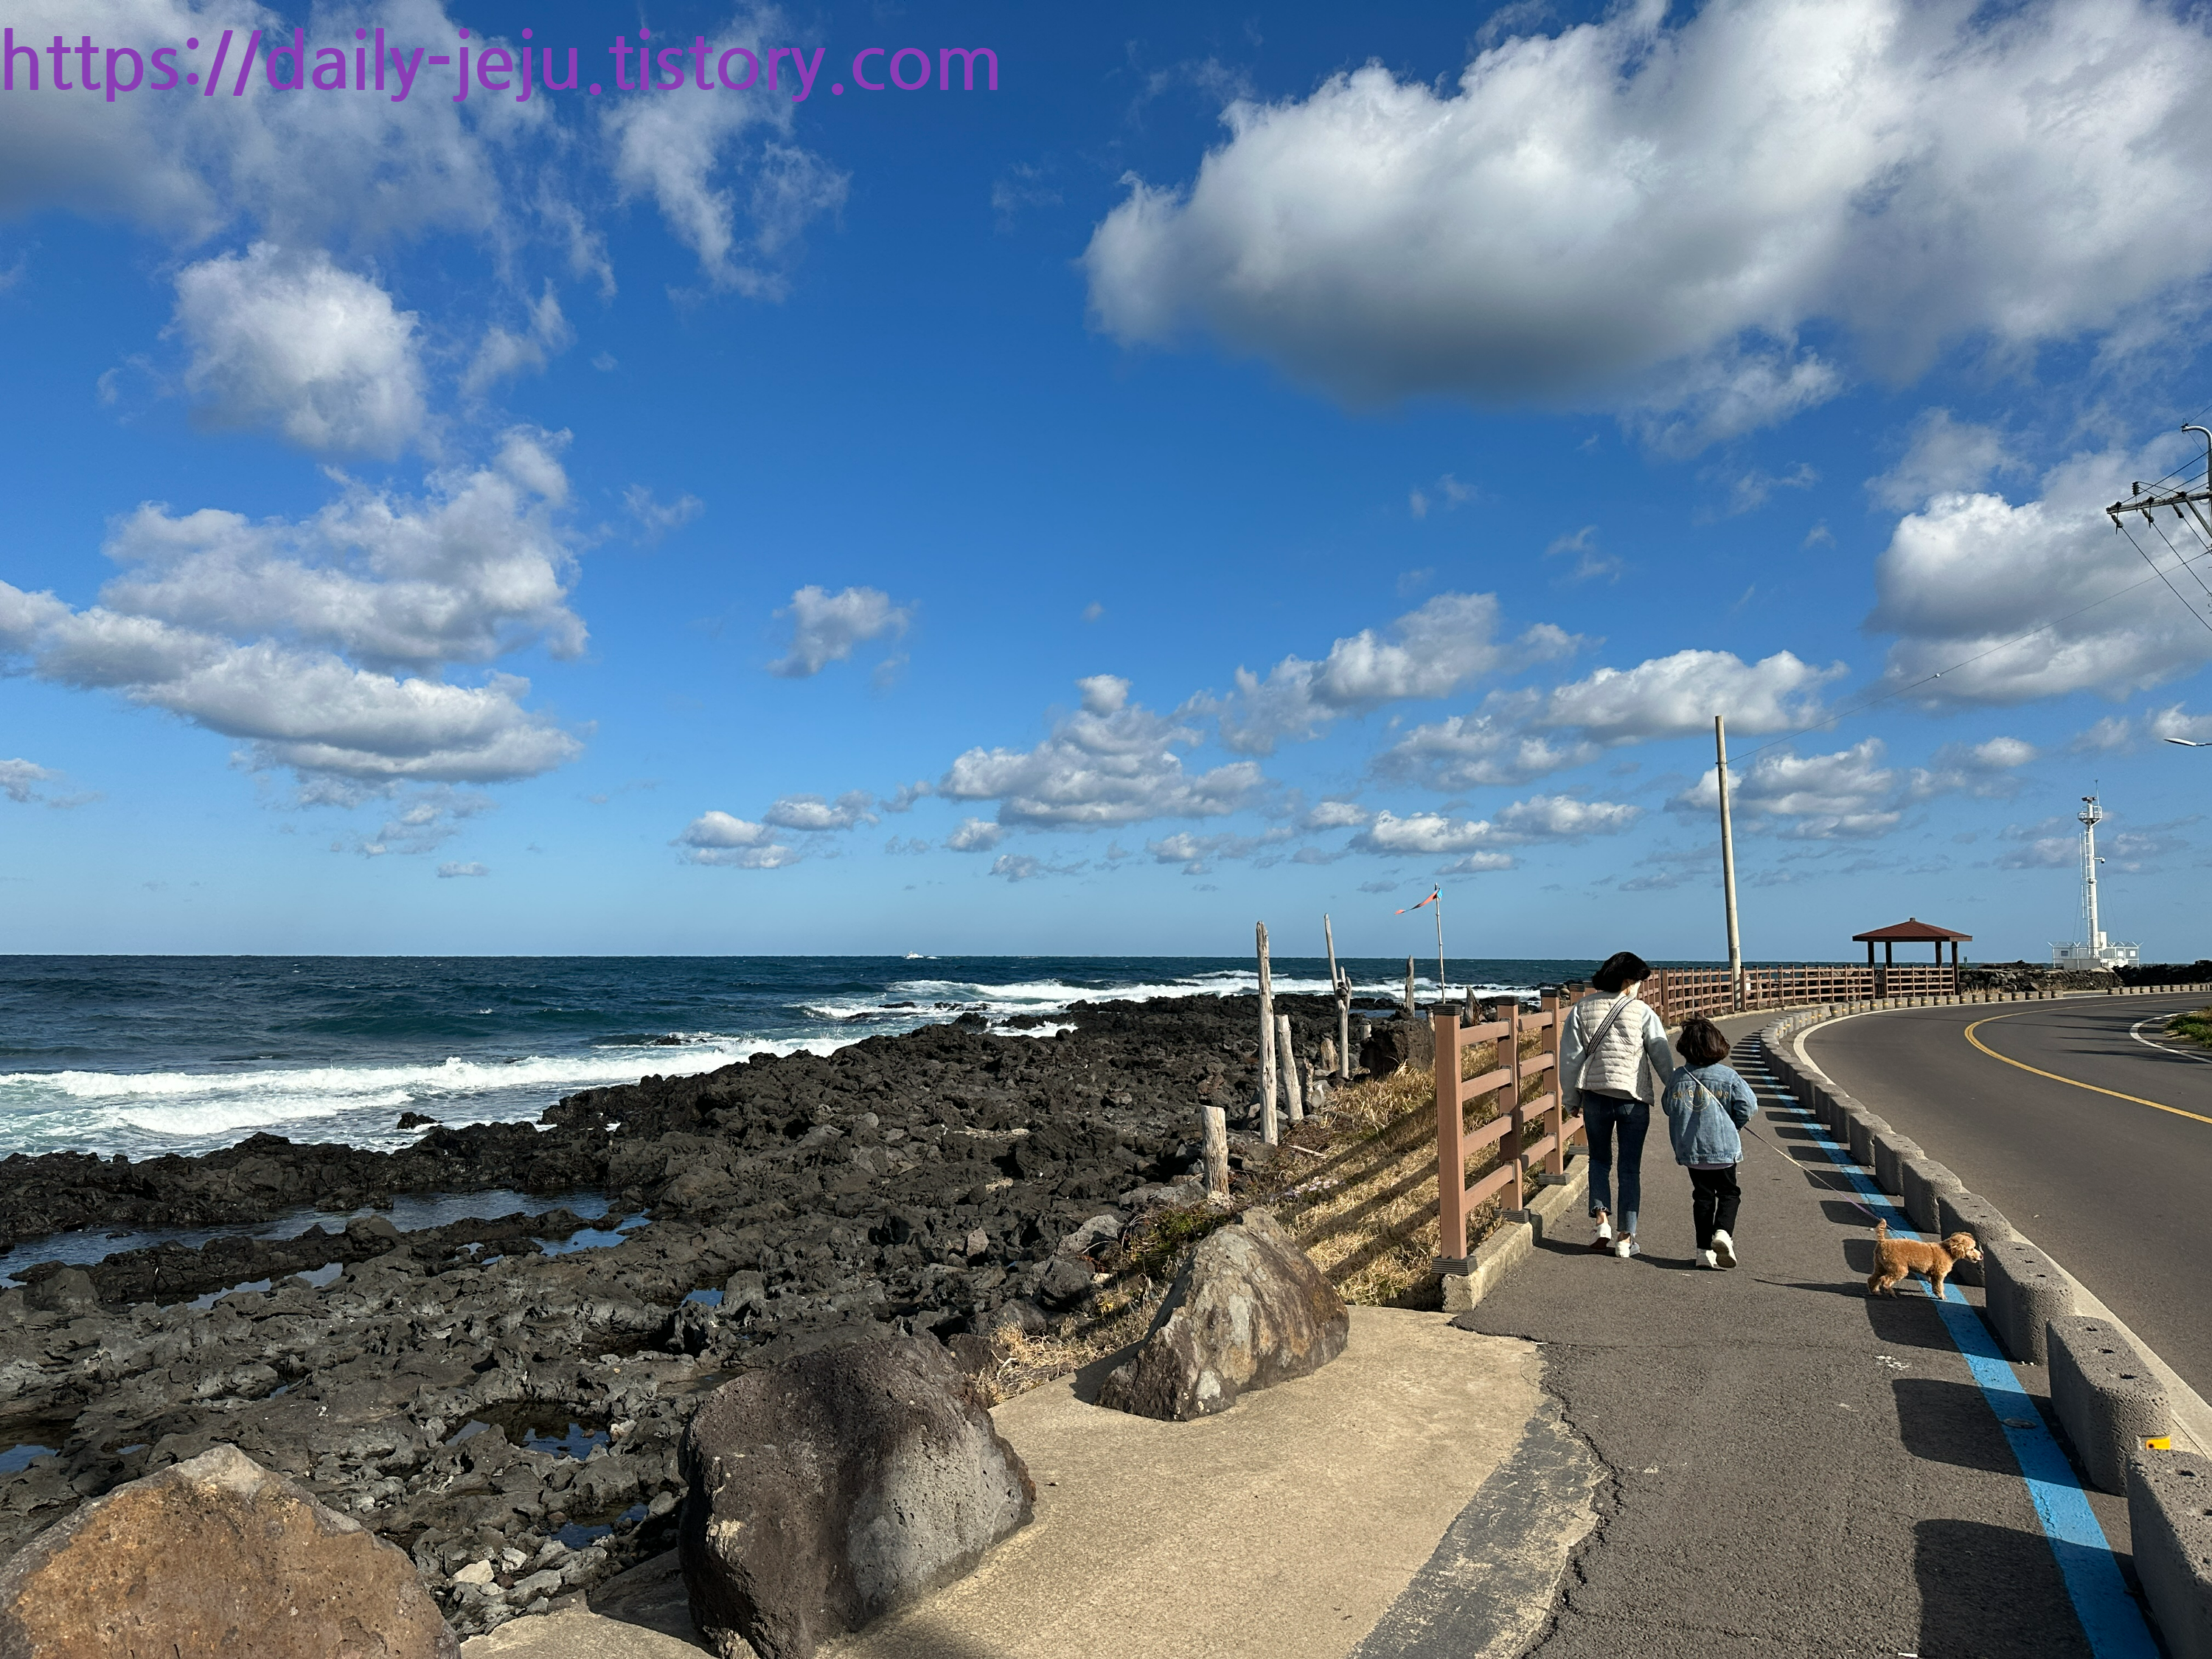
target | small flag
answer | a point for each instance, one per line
(1431, 899)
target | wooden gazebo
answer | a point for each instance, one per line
(1912, 931)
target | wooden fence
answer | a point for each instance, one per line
(1504, 1082)
(1674, 993)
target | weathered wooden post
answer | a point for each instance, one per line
(1473, 1015)
(1339, 984)
(1286, 1057)
(1451, 1144)
(1328, 1055)
(1410, 1008)
(1214, 1131)
(1268, 1131)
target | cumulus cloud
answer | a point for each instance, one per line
(811, 812)
(1987, 769)
(1645, 214)
(1111, 762)
(975, 836)
(1516, 737)
(718, 838)
(503, 354)
(720, 166)
(1539, 819)
(1847, 795)
(19, 779)
(658, 518)
(1199, 853)
(1336, 814)
(1428, 653)
(1970, 584)
(448, 871)
(1943, 456)
(322, 644)
(825, 627)
(423, 821)
(901, 799)
(291, 342)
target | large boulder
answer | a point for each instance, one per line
(837, 1487)
(216, 1555)
(1250, 1311)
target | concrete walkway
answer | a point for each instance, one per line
(1286, 1527)
(1794, 1469)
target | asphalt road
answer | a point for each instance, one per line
(1794, 1468)
(2119, 1192)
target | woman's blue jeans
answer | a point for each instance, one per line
(1602, 1115)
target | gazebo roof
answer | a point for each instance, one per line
(1910, 930)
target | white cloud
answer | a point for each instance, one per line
(1111, 762)
(1984, 769)
(656, 518)
(448, 871)
(1475, 864)
(1428, 653)
(421, 821)
(1336, 814)
(292, 341)
(18, 777)
(975, 836)
(1944, 456)
(1590, 561)
(1847, 795)
(719, 838)
(811, 812)
(323, 643)
(1019, 866)
(825, 627)
(697, 158)
(1519, 736)
(1964, 579)
(1644, 215)
(1540, 819)
(503, 354)
(901, 799)
(1198, 853)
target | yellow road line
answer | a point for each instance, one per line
(2156, 1106)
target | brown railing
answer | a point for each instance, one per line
(1678, 993)
(1456, 1143)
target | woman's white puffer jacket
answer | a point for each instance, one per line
(1616, 1067)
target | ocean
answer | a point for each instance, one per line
(144, 1055)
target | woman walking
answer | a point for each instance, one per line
(1610, 1037)
(1707, 1103)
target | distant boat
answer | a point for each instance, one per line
(915, 955)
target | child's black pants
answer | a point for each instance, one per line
(1714, 1196)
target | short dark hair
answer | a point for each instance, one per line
(1621, 967)
(1701, 1043)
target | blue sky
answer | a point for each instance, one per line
(1254, 462)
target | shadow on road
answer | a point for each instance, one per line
(1948, 1422)
(1987, 1589)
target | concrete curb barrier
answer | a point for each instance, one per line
(1963, 1212)
(1892, 1151)
(1925, 1182)
(2026, 1291)
(2170, 1525)
(1862, 1126)
(2107, 1400)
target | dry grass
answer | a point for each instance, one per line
(1356, 1184)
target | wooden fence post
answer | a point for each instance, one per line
(1411, 1007)
(1214, 1131)
(1286, 1059)
(1268, 1131)
(1508, 1056)
(1555, 1161)
(1451, 1147)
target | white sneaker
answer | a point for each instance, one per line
(1604, 1239)
(1725, 1248)
(1625, 1246)
(1706, 1259)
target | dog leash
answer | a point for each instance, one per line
(1839, 1192)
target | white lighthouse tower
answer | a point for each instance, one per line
(2092, 949)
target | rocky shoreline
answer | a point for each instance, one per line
(511, 1415)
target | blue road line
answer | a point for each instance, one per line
(2111, 1619)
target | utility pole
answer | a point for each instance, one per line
(1727, 866)
(2144, 498)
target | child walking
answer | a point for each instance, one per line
(1706, 1105)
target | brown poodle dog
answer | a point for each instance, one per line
(1893, 1258)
